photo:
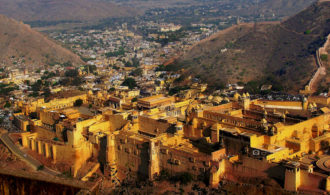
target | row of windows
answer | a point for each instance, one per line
(234, 122)
(129, 150)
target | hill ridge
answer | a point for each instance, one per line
(281, 54)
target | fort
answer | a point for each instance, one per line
(284, 140)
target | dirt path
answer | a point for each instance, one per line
(321, 71)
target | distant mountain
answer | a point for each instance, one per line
(19, 44)
(280, 8)
(281, 54)
(62, 10)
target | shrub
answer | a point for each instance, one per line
(78, 102)
(324, 57)
(41, 167)
(307, 32)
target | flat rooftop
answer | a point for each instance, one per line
(155, 99)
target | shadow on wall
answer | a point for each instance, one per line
(102, 157)
(143, 168)
(277, 173)
(171, 129)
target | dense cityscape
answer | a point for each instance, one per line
(128, 115)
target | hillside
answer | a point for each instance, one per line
(281, 54)
(20, 44)
(62, 10)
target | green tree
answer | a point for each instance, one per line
(67, 64)
(137, 72)
(128, 64)
(130, 82)
(34, 94)
(135, 62)
(47, 92)
(119, 52)
(71, 73)
(253, 87)
(7, 105)
(177, 89)
(78, 103)
(90, 68)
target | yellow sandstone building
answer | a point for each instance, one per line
(283, 140)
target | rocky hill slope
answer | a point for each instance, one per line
(281, 54)
(19, 44)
